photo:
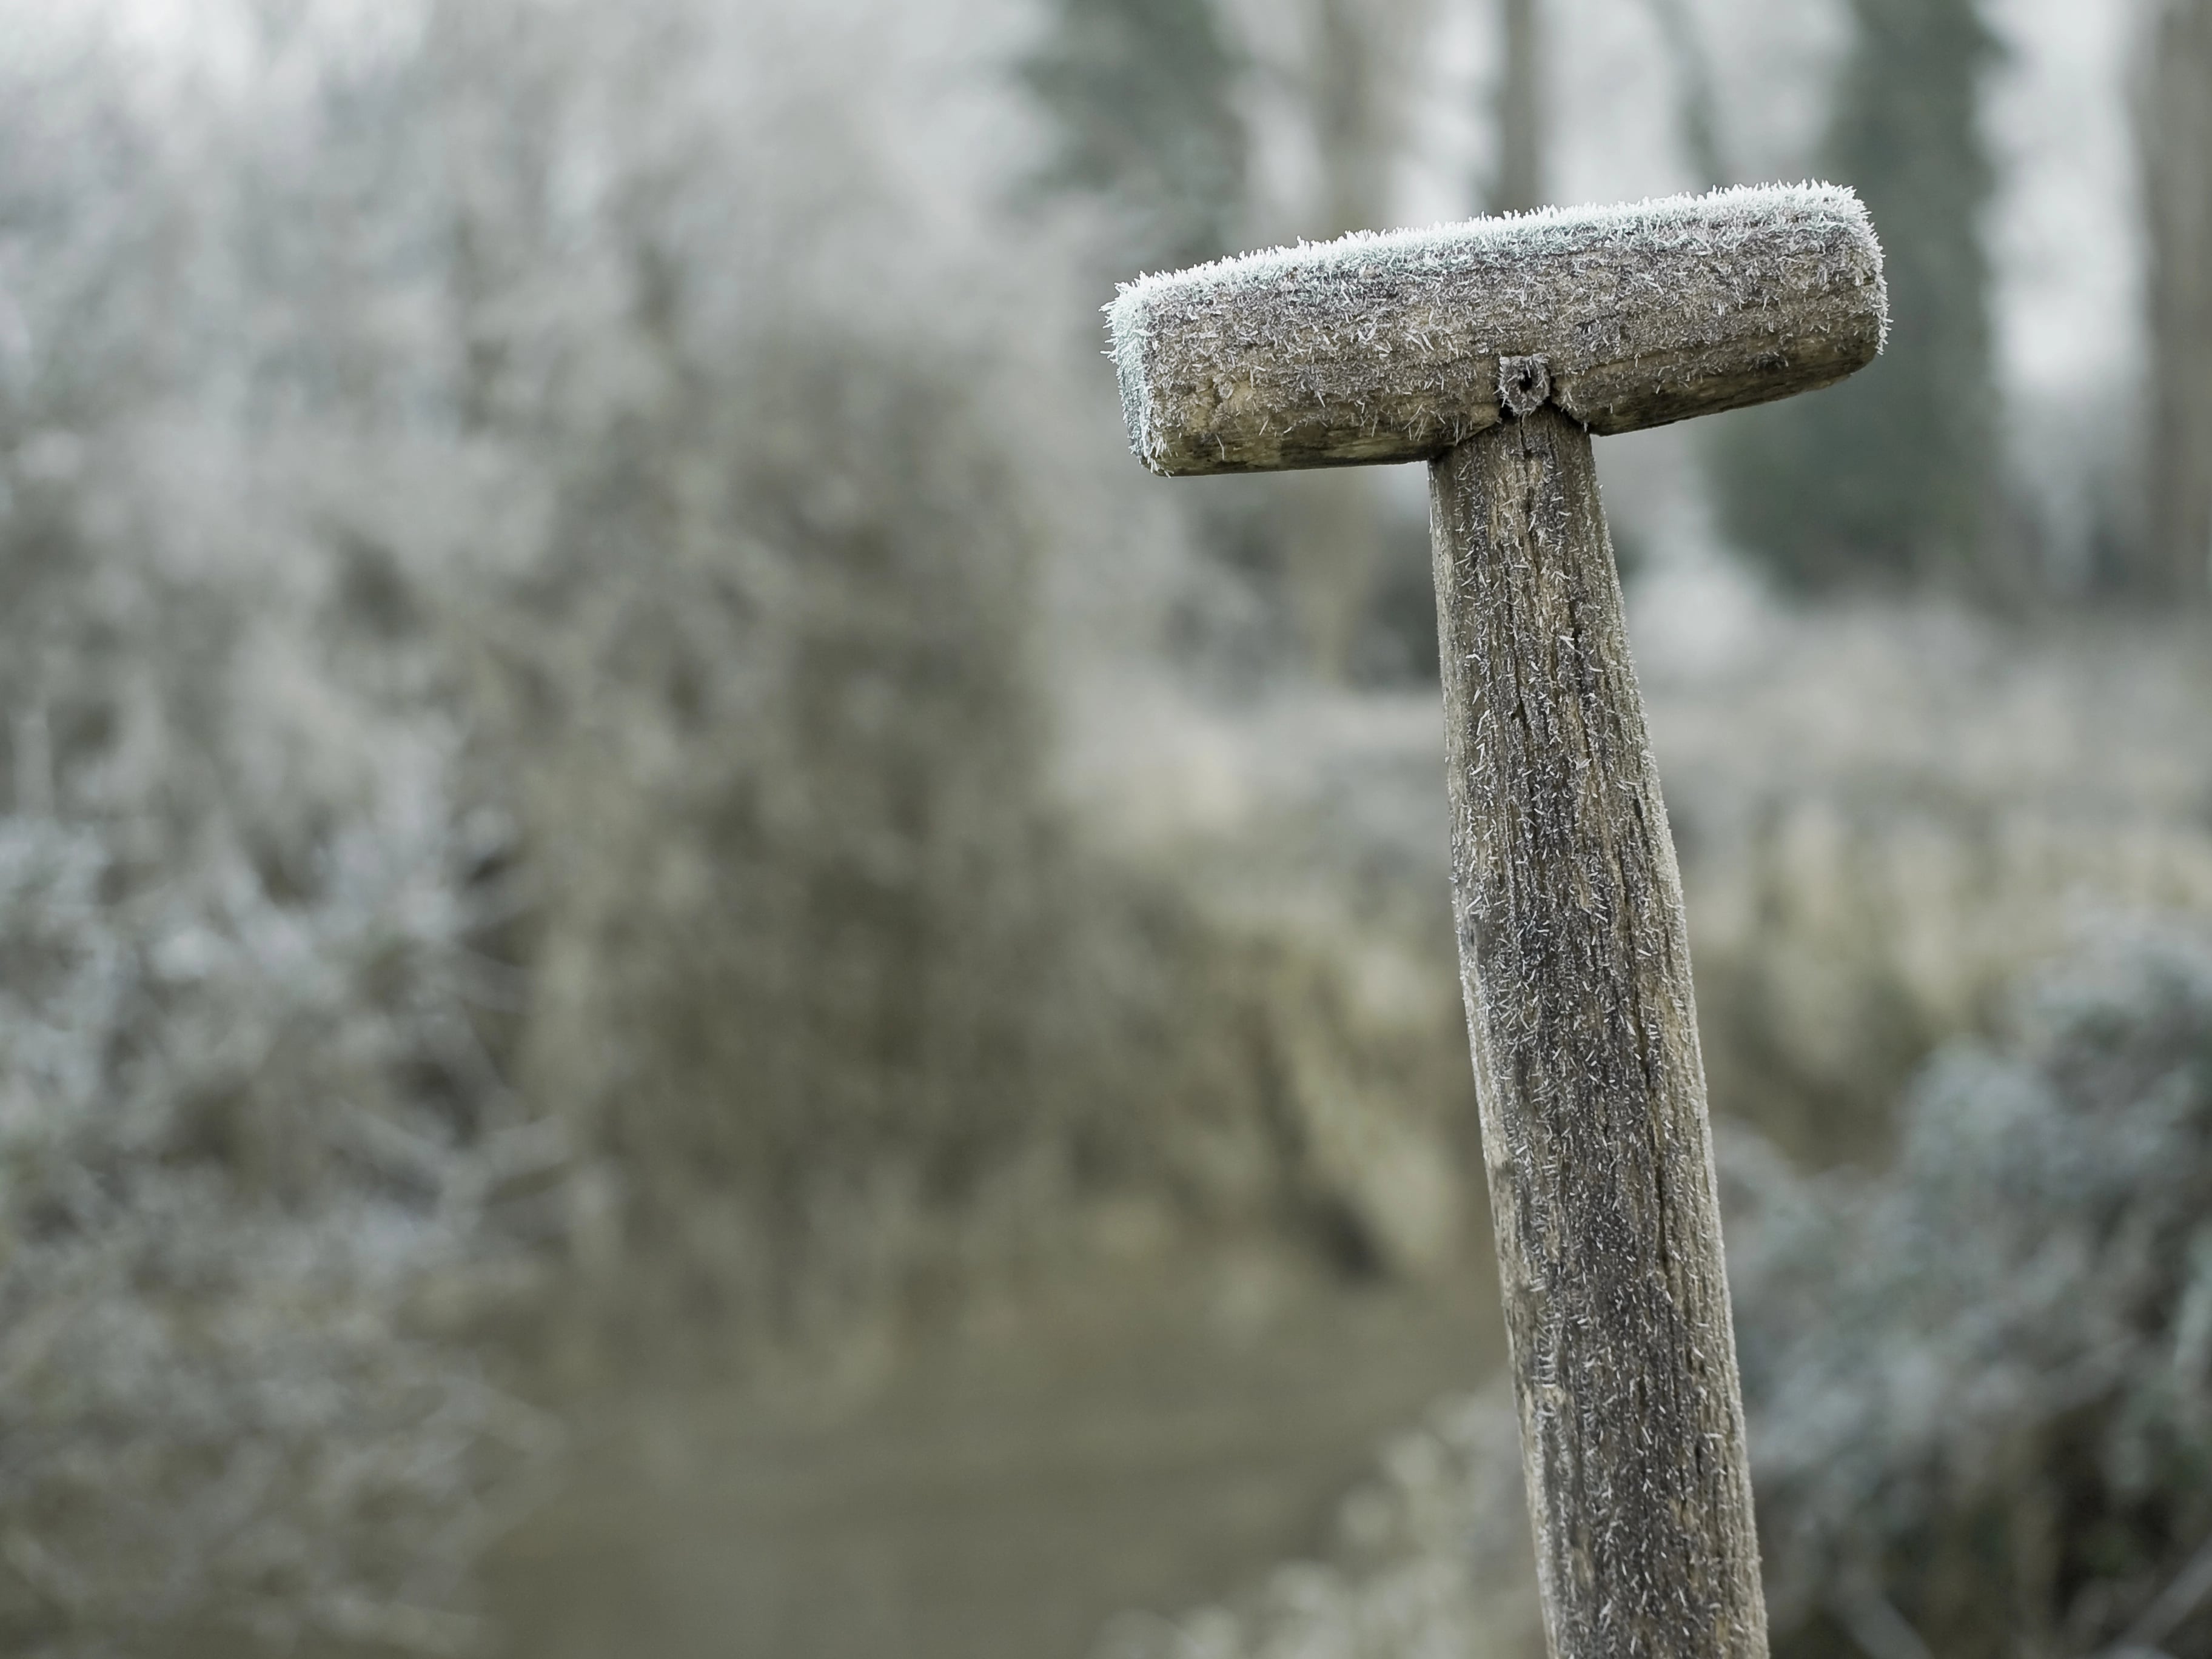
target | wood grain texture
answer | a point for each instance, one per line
(1577, 971)
(1385, 348)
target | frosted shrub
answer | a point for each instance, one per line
(216, 1412)
(259, 1165)
(1983, 1385)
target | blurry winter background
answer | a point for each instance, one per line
(681, 974)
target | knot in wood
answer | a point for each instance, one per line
(1524, 384)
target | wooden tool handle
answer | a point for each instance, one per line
(1576, 969)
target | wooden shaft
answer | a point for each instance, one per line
(1576, 969)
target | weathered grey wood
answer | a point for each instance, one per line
(1387, 348)
(1577, 971)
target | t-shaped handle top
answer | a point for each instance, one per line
(1395, 347)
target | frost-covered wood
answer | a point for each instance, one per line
(1385, 348)
(1577, 972)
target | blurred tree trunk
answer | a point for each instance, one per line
(1354, 109)
(1519, 184)
(1697, 100)
(1142, 98)
(1334, 541)
(1887, 479)
(2177, 157)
